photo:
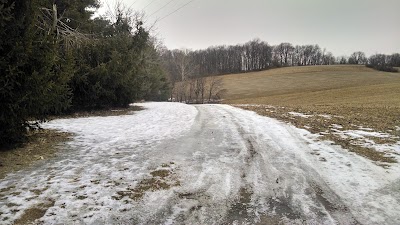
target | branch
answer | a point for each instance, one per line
(49, 21)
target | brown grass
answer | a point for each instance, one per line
(349, 120)
(32, 214)
(160, 179)
(103, 112)
(314, 85)
(41, 146)
(358, 95)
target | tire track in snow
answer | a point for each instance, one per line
(282, 201)
(232, 166)
(263, 191)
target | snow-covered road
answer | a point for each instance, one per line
(204, 164)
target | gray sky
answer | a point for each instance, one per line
(340, 26)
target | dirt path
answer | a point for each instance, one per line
(207, 164)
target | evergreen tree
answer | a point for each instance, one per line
(54, 55)
(118, 67)
(34, 76)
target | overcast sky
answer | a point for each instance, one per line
(340, 26)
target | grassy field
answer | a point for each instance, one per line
(350, 96)
(315, 85)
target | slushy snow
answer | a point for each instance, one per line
(233, 166)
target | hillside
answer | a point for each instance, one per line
(331, 101)
(314, 85)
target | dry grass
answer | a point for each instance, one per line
(315, 84)
(159, 179)
(32, 214)
(377, 95)
(349, 119)
(357, 95)
(102, 113)
(41, 146)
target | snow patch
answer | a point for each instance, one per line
(363, 133)
(300, 114)
(337, 126)
(107, 155)
(326, 116)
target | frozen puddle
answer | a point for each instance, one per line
(207, 164)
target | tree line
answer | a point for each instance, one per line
(258, 55)
(189, 71)
(56, 58)
(254, 55)
(384, 62)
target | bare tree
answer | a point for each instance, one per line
(214, 86)
(358, 58)
(341, 60)
(283, 51)
(180, 68)
(200, 88)
(185, 65)
(328, 58)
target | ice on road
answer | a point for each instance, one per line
(200, 164)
